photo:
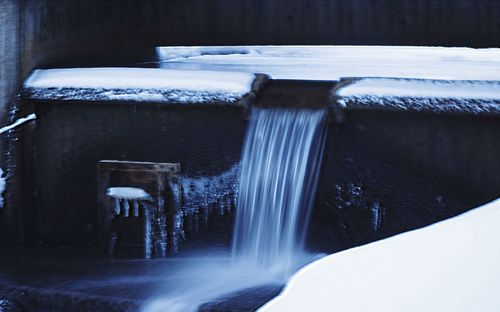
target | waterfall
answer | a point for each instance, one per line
(279, 172)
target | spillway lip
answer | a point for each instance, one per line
(477, 97)
(146, 85)
(295, 94)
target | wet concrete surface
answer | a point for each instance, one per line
(246, 300)
(58, 279)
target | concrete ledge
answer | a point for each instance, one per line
(472, 97)
(295, 94)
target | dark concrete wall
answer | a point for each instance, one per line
(10, 46)
(418, 167)
(71, 137)
(41, 32)
(37, 33)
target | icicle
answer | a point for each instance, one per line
(117, 206)
(147, 233)
(179, 234)
(376, 216)
(126, 208)
(221, 204)
(281, 161)
(136, 208)
(229, 200)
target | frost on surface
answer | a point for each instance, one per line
(195, 200)
(204, 195)
(211, 190)
(138, 84)
(422, 95)
(448, 266)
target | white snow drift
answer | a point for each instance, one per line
(452, 265)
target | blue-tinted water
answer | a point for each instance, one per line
(279, 172)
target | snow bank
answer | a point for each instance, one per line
(139, 84)
(335, 62)
(449, 266)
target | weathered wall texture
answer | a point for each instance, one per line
(9, 54)
(71, 137)
(383, 172)
(36, 33)
(102, 32)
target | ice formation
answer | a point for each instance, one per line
(139, 197)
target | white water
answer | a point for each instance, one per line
(280, 166)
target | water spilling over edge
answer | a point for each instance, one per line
(279, 173)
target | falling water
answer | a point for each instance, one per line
(279, 173)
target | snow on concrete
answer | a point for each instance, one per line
(452, 265)
(335, 62)
(3, 179)
(17, 123)
(129, 193)
(421, 94)
(139, 84)
(382, 87)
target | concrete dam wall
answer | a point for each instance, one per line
(383, 172)
(37, 33)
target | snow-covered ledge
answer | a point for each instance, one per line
(139, 85)
(452, 265)
(466, 96)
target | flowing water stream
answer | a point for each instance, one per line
(280, 166)
(279, 171)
